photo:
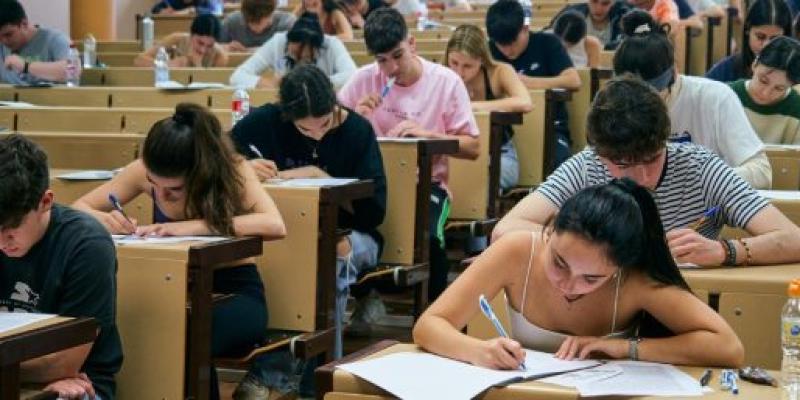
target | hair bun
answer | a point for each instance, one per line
(184, 115)
(639, 22)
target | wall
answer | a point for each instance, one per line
(50, 13)
(126, 11)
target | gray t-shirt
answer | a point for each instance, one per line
(46, 45)
(235, 28)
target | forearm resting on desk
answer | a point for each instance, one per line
(775, 239)
(55, 366)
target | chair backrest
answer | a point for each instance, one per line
(529, 141)
(87, 150)
(469, 179)
(785, 162)
(68, 119)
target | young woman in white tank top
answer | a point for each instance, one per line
(599, 276)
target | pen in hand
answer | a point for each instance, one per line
(705, 378)
(255, 151)
(486, 308)
(710, 213)
(117, 206)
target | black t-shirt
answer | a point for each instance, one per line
(348, 151)
(72, 272)
(545, 56)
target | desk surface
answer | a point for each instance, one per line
(344, 382)
(772, 279)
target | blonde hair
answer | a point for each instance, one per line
(470, 40)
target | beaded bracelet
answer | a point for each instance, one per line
(748, 257)
(730, 252)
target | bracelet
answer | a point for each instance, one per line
(748, 258)
(25, 67)
(730, 252)
(633, 348)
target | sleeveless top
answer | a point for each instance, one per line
(531, 336)
(577, 53)
(508, 131)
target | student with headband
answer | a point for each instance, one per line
(771, 104)
(627, 131)
(304, 43)
(701, 111)
(199, 186)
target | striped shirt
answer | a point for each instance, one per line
(695, 180)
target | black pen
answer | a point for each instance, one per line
(705, 377)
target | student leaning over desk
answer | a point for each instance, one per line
(56, 260)
(199, 186)
(627, 130)
(597, 281)
(197, 48)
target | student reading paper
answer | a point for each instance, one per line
(199, 186)
(598, 281)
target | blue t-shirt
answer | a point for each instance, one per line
(725, 70)
(46, 45)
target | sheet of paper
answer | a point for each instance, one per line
(780, 194)
(776, 147)
(14, 320)
(643, 379)
(687, 265)
(88, 175)
(316, 182)
(170, 85)
(16, 104)
(584, 376)
(206, 85)
(133, 239)
(426, 376)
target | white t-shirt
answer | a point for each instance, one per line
(708, 113)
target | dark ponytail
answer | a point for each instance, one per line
(622, 217)
(646, 50)
(191, 145)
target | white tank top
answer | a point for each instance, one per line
(531, 336)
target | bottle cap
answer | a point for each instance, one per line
(794, 288)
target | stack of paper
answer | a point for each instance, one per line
(13, 320)
(134, 239)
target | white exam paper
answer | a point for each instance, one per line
(13, 320)
(643, 379)
(87, 175)
(315, 182)
(780, 194)
(133, 239)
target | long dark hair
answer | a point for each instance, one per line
(622, 217)
(646, 51)
(760, 13)
(191, 145)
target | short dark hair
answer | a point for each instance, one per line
(306, 91)
(504, 20)
(782, 53)
(206, 25)
(307, 31)
(12, 13)
(628, 120)
(255, 10)
(570, 26)
(24, 178)
(760, 13)
(384, 29)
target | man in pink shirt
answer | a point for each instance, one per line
(426, 100)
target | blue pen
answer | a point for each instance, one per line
(489, 313)
(710, 213)
(388, 86)
(115, 203)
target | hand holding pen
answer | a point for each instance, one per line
(265, 169)
(687, 245)
(503, 352)
(117, 221)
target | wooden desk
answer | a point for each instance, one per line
(750, 299)
(335, 384)
(785, 162)
(162, 343)
(299, 272)
(36, 340)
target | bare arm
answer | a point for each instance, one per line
(438, 330)
(530, 214)
(515, 94)
(146, 58)
(567, 79)
(126, 185)
(593, 48)
(775, 239)
(263, 219)
(55, 366)
(220, 57)
(343, 29)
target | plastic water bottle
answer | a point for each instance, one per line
(790, 342)
(161, 66)
(89, 51)
(73, 69)
(148, 32)
(240, 104)
(527, 9)
(422, 16)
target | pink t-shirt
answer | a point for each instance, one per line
(438, 102)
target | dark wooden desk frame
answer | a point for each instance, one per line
(323, 376)
(38, 342)
(552, 98)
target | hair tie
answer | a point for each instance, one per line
(643, 28)
(182, 118)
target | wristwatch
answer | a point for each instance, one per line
(633, 348)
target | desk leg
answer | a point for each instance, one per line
(326, 272)
(550, 140)
(495, 148)
(199, 342)
(9, 382)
